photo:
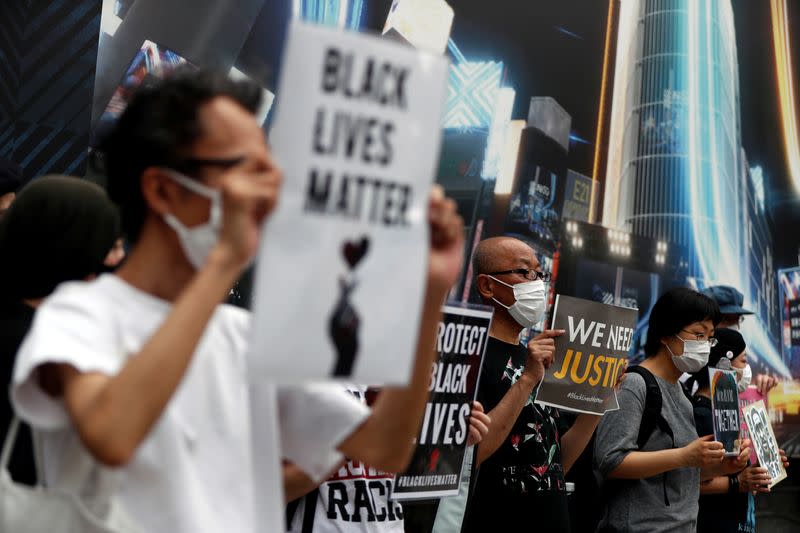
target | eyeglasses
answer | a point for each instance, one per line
(527, 273)
(193, 164)
(700, 337)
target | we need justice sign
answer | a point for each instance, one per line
(589, 357)
(342, 266)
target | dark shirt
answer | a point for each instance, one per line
(522, 484)
(721, 513)
(15, 320)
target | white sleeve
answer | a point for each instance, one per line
(66, 329)
(314, 420)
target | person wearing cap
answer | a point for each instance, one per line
(58, 229)
(727, 503)
(731, 302)
(11, 181)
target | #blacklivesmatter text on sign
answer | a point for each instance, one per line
(436, 466)
(589, 357)
(341, 271)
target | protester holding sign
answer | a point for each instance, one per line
(529, 447)
(648, 452)
(145, 370)
(727, 503)
(357, 497)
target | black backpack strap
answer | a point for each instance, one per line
(652, 417)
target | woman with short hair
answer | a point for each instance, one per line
(651, 460)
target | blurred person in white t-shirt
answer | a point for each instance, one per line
(138, 380)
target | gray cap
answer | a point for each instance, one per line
(728, 298)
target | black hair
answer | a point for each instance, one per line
(157, 128)
(730, 344)
(674, 310)
(59, 229)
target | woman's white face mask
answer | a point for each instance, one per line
(743, 377)
(695, 355)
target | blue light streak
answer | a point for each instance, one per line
(575, 138)
(453, 47)
(567, 32)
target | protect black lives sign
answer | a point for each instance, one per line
(725, 409)
(589, 357)
(342, 266)
(436, 467)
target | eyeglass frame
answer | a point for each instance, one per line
(700, 337)
(525, 272)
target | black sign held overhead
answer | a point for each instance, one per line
(435, 469)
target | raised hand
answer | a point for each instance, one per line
(541, 350)
(703, 452)
(447, 241)
(248, 197)
(765, 383)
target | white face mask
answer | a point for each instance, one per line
(529, 304)
(694, 358)
(745, 376)
(197, 241)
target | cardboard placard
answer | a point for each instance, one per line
(725, 409)
(764, 441)
(438, 463)
(342, 266)
(748, 397)
(589, 356)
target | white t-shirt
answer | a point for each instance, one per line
(354, 500)
(197, 469)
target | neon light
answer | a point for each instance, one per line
(565, 31)
(508, 161)
(453, 47)
(338, 13)
(504, 104)
(602, 109)
(757, 179)
(785, 81)
(576, 138)
(471, 94)
(694, 178)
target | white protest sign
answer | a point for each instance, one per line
(343, 261)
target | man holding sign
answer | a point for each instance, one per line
(529, 447)
(144, 370)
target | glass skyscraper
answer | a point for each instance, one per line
(674, 169)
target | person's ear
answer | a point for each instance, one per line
(485, 286)
(160, 193)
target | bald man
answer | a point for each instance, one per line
(529, 447)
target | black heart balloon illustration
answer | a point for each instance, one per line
(354, 251)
